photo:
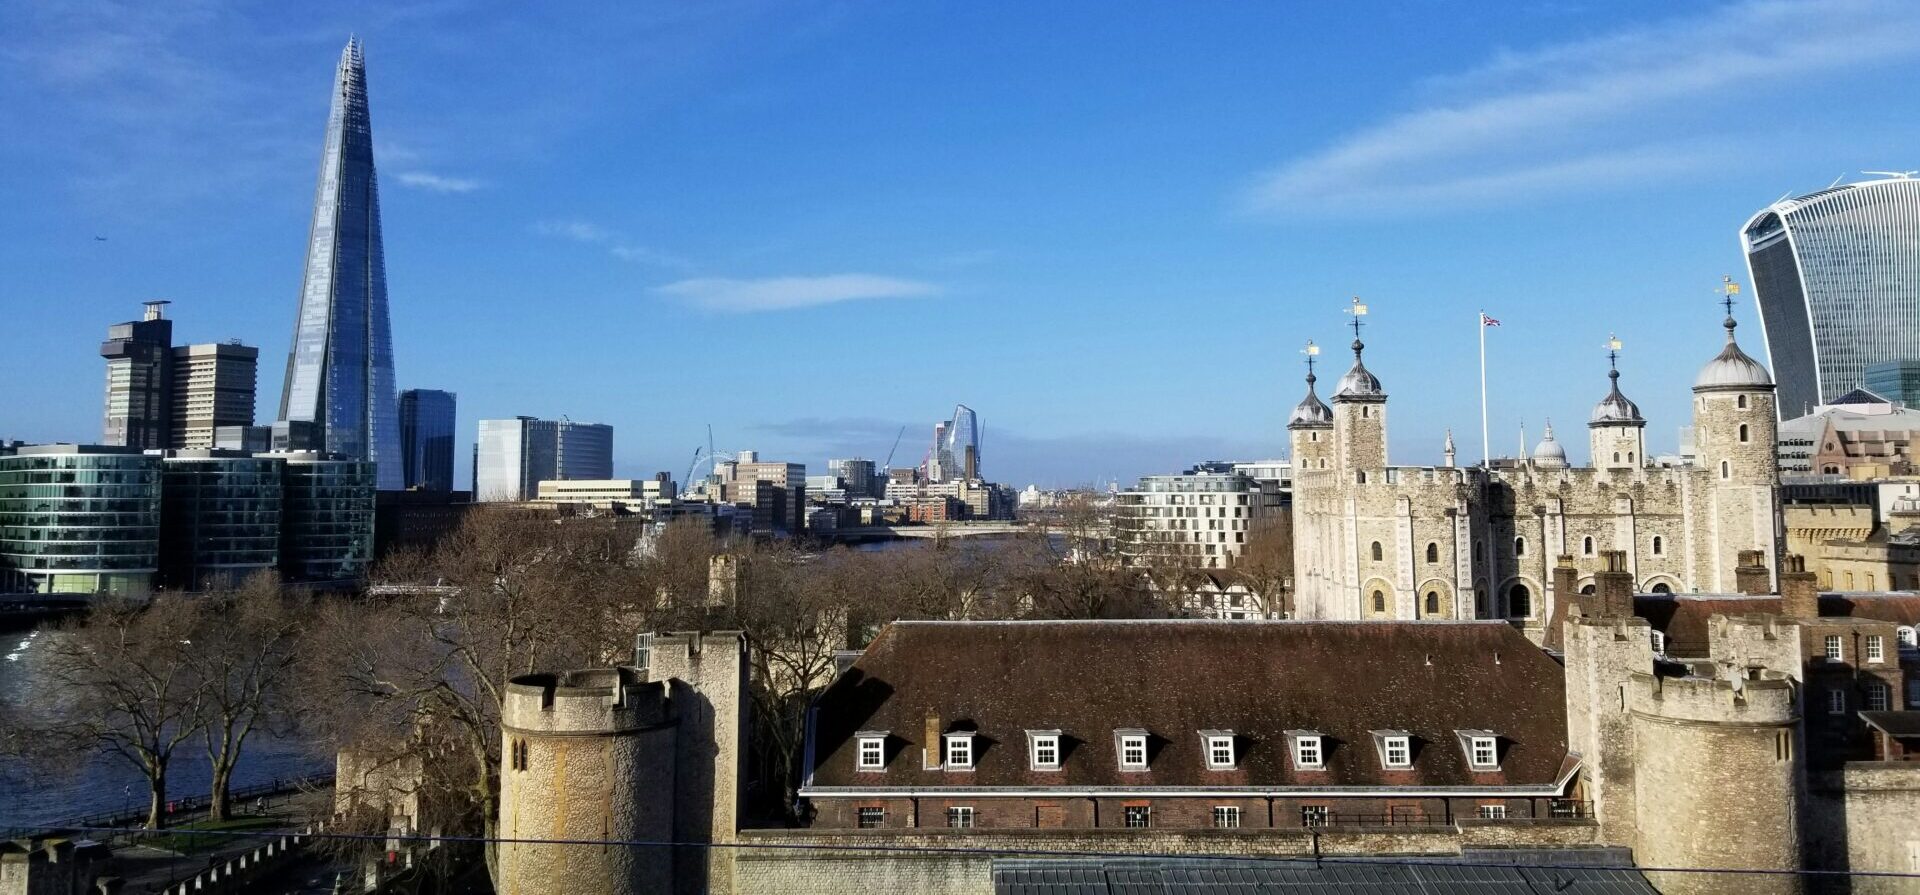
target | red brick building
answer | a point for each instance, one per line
(1191, 724)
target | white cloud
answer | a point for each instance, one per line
(616, 245)
(1632, 105)
(782, 293)
(422, 180)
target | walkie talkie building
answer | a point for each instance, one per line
(1837, 276)
(340, 384)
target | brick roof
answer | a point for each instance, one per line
(1174, 679)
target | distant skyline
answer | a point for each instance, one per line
(811, 225)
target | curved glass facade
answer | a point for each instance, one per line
(326, 520)
(79, 520)
(340, 369)
(1837, 277)
(220, 519)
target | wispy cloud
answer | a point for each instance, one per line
(422, 180)
(617, 245)
(784, 293)
(1631, 106)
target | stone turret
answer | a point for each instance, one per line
(1359, 420)
(1310, 429)
(1616, 432)
(1735, 443)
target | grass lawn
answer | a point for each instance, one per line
(183, 839)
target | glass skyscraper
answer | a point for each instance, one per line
(79, 519)
(956, 447)
(340, 370)
(426, 436)
(512, 457)
(1837, 276)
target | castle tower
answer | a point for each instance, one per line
(587, 755)
(1616, 431)
(1734, 425)
(1359, 415)
(707, 674)
(1605, 646)
(1310, 427)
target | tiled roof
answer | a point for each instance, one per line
(1683, 617)
(1899, 724)
(1176, 678)
(1517, 871)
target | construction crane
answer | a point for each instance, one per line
(896, 446)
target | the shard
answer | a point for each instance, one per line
(339, 394)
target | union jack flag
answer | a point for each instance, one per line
(1487, 321)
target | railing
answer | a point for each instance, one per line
(1556, 809)
(177, 809)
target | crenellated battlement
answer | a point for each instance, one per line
(595, 700)
(1768, 700)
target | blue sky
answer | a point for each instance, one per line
(1108, 228)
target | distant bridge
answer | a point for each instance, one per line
(935, 530)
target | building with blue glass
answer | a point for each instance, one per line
(339, 394)
(1836, 274)
(79, 519)
(426, 438)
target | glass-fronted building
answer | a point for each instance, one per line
(326, 518)
(1895, 380)
(220, 518)
(512, 457)
(79, 519)
(340, 370)
(426, 437)
(1836, 274)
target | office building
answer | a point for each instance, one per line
(1836, 274)
(426, 438)
(780, 503)
(340, 369)
(219, 517)
(1895, 380)
(1199, 518)
(956, 447)
(633, 495)
(213, 387)
(858, 476)
(514, 456)
(139, 364)
(79, 519)
(326, 520)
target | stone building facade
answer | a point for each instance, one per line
(1377, 541)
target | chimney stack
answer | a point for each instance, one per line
(1613, 586)
(1799, 588)
(934, 744)
(1750, 576)
(1565, 595)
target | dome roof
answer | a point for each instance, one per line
(1549, 452)
(1615, 408)
(1732, 369)
(1311, 411)
(1358, 383)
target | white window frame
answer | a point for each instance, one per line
(1211, 745)
(958, 752)
(1876, 649)
(1038, 740)
(1128, 742)
(960, 817)
(1226, 817)
(873, 746)
(1879, 697)
(1305, 745)
(1146, 814)
(860, 816)
(1492, 812)
(1388, 745)
(1833, 649)
(1478, 742)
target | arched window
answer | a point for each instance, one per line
(1433, 552)
(1629, 456)
(1433, 602)
(1849, 581)
(1323, 463)
(1741, 402)
(1726, 470)
(1313, 436)
(1657, 545)
(1376, 551)
(1519, 546)
(1616, 456)
(1360, 477)
(1587, 590)
(1379, 601)
(1586, 546)
(1520, 602)
(1662, 588)
(1743, 433)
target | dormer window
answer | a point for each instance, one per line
(959, 751)
(1043, 750)
(1219, 751)
(1396, 749)
(1482, 748)
(1309, 752)
(1132, 746)
(873, 749)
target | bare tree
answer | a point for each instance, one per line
(241, 658)
(121, 687)
(1265, 563)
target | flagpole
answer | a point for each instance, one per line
(1486, 446)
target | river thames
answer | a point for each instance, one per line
(32, 796)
